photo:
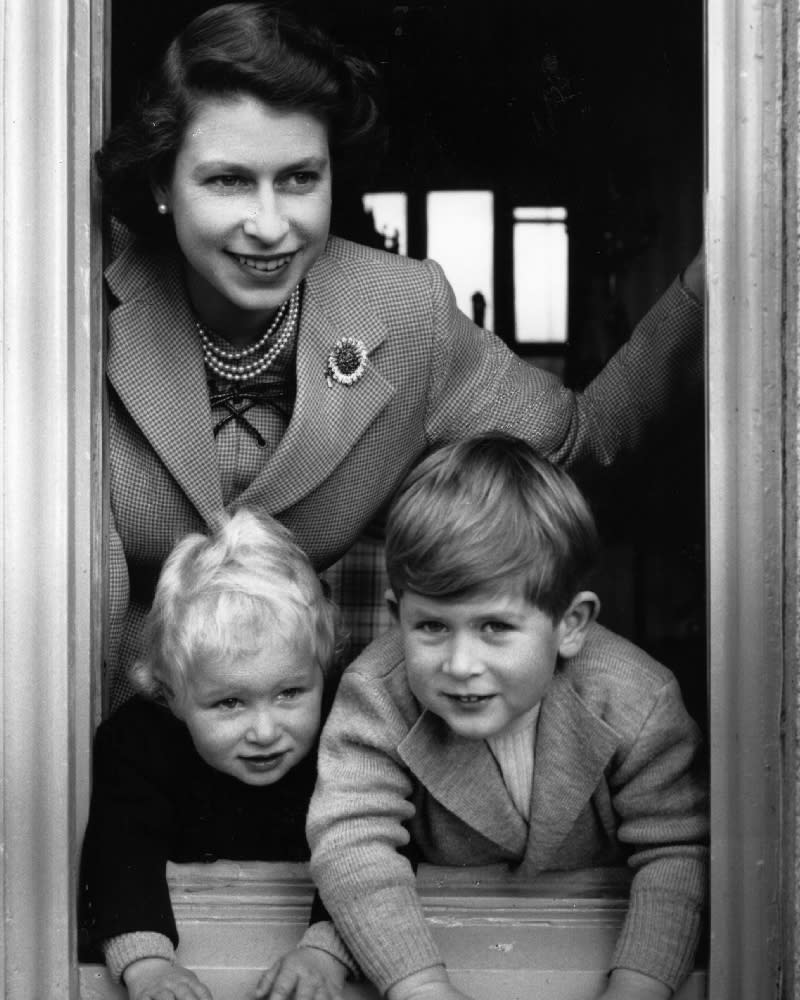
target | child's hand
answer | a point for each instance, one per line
(625, 984)
(158, 979)
(429, 984)
(306, 974)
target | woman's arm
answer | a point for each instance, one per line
(477, 384)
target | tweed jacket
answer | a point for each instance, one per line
(432, 376)
(617, 780)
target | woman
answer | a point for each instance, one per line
(255, 360)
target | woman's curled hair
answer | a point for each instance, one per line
(254, 49)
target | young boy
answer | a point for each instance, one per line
(500, 723)
(217, 759)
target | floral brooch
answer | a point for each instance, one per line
(346, 362)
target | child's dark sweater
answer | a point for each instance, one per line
(154, 799)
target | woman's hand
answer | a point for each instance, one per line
(305, 974)
(694, 277)
(625, 984)
(159, 979)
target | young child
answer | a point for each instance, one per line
(217, 758)
(500, 723)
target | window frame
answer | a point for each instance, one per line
(54, 76)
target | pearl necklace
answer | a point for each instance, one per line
(234, 365)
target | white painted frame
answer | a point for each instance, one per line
(751, 65)
(51, 56)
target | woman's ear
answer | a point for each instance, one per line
(160, 196)
(392, 603)
(574, 626)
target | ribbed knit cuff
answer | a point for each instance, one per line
(120, 951)
(324, 936)
(387, 933)
(659, 938)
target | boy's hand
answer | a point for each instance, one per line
(305, 974)
(158, 979)
(625, 984)
(429, 984)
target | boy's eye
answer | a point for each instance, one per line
(495, 627)
(431, 627)
(289, 694)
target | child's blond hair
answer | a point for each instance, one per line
(220, 595)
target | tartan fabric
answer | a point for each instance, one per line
(244, 444)
(432, 376)
(358, 584)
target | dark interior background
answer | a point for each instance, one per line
(596, 107)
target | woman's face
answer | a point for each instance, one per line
(250, 196)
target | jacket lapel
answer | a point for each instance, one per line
(463, 776)
(326, 421)
(156, 367)
(573, 748)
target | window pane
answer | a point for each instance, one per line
(551, 213)
(461, 239)
(390, 216)
(540, 282)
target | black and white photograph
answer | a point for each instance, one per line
(400, 553)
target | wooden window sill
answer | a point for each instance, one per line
(499, 936)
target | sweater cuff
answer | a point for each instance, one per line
(124, 949)
(324, 936)
(387, 932)
(659, 938)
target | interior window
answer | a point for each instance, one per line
(388, 214)
(541, 275)
(460, 227)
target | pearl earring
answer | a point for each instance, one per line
(162, 208)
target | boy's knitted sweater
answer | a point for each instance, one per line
(616, 780)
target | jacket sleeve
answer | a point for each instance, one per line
(660, 795)
(477, 384)
(123, 885)
(117, 589)
(358, 838)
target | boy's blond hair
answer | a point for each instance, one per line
(489, 513)
(220, 595)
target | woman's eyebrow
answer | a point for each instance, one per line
(305, 163)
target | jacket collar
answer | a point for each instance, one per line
(327, 421)
(573, 747)
(155, 365)
(462, 775)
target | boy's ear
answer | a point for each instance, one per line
(574, 626)
(392, 603)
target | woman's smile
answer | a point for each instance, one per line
(250, 197)
(262, 264)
